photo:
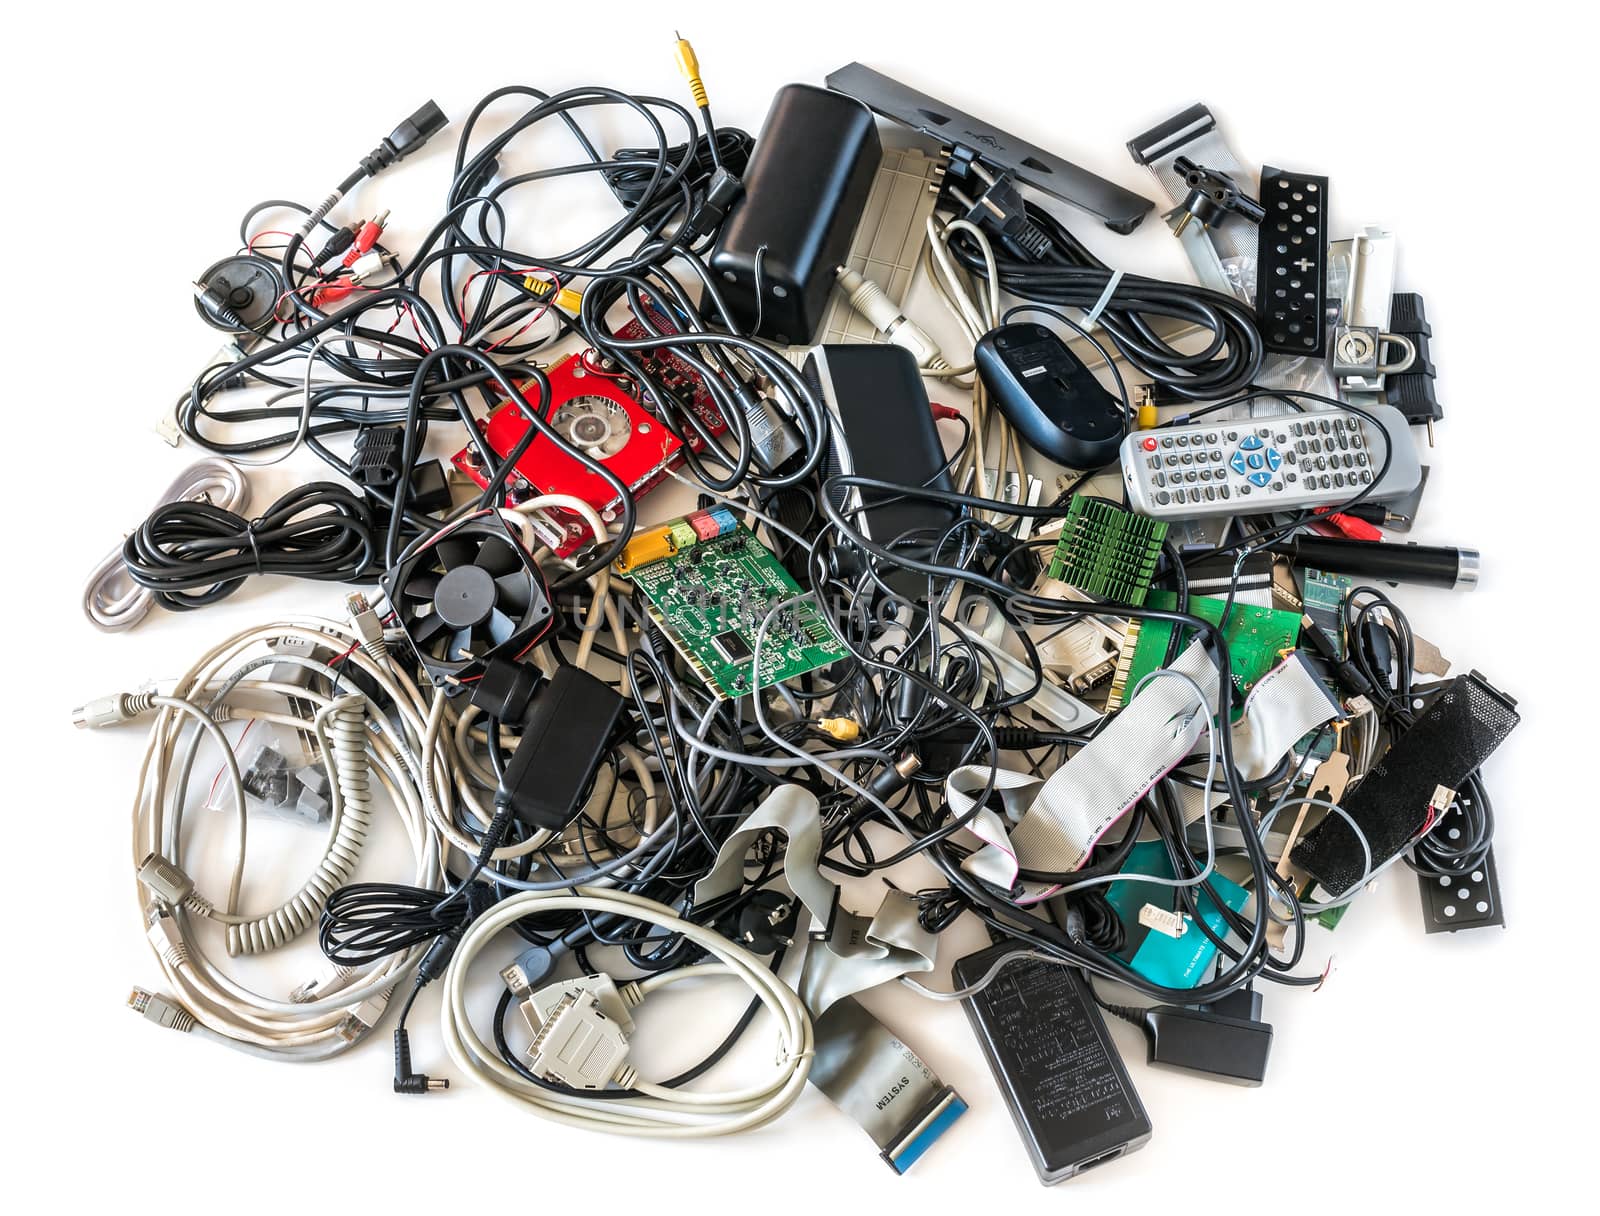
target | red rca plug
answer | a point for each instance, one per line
(944, 413)
(366, 238)
(1355, 529)
(332, 293)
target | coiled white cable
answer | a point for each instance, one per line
(359, 747)
(659, 1112)
(341, 729)
(111, 600)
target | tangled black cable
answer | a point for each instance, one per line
(1072, 277)
(317, 531)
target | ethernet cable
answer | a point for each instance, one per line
(657, 1111)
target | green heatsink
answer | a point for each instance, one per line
(1107, 552)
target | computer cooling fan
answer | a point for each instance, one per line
(470, 595)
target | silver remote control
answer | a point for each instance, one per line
(1255, 466)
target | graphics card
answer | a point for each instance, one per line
(592, 410)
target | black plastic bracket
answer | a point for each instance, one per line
(1467, 901)
(973, 138)
(1292, 263)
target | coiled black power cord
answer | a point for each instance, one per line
(192, 553)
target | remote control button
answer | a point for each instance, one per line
(1223, 490)
(1256, 460)
(1237, 463)
(1361, 458)
(1321, 462)
(1159, 480)
(1243, 490)
(1167, 442)
(1263, 431)
(1327, 482)
(1260, 479)
(1338, 480)
(1171, 460)
(1191, 475)
(1153, 463)
(1194, 495)
(1187, 458)
(1274, 459)
(1324, 426)
(1183, 441)
(1353, 423)
(1289, 477)
(1211, 494)
(1250, 443)
(1277, 485)
(1366, 477)
(1163, 498)
(1298, 428)
(1231, 435)
(1211, 436)
(1150, 444)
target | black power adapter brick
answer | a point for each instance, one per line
(1226, 1038)
(1058, 1070)
(563, 741)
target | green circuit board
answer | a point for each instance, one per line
(711, 599)
(1256, 637)
(1323, 596)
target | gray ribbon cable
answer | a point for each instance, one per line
(854, 952)
(1058, 821)
(865, 1070)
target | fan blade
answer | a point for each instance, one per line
(497, 557)
(501, 626)
(420, 587)
(461, 646)
(455, 552)
(427, 628)
(514, 591)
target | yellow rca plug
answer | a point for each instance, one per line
(569, 298)
(845, 730)
(1147, 417)
(690, 67)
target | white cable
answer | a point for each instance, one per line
(111, 600)
(357, 747)
(658, 1112)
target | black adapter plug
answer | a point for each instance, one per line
(1225, 1038)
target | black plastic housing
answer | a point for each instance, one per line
(565, 736)
(883, 429)
(804, 192)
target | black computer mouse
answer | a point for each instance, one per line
(1056, 404)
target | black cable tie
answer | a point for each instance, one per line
(255, 547)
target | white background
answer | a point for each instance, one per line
(1450, 1070)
